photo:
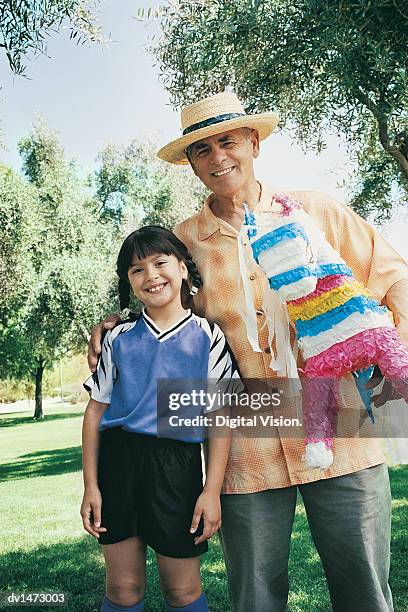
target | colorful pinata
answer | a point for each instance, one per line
(340, 327)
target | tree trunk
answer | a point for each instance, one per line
(38, 412)
(397, 151)
(401, 160)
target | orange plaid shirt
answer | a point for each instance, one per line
(257, 463)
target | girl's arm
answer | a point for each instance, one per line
(208, 504)
(92, 501)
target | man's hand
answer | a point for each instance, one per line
(387, 392)
(94, 344)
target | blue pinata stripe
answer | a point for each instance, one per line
(331, 269)
(292, 276)
(330, 319)
(285, 232)
(287, 278)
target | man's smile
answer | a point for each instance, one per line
(222, 172)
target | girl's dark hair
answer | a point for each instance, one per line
(150, 240)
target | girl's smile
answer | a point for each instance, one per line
(156, 288)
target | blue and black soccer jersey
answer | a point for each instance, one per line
(135, 355)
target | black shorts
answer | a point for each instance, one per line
(149, 488)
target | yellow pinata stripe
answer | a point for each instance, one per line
(326, 301)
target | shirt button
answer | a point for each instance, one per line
(252, 276)
(267, 350)
(259, 312)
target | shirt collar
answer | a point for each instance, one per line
(209, 223)
(164, 334)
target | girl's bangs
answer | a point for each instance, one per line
(143, 246)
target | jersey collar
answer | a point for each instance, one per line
(163, 334)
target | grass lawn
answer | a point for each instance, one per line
(44, 548)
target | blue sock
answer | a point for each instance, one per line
(108, 606)
(199, 605)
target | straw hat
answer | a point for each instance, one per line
(214, 115)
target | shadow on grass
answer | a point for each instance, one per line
(43, 463)
(76, 568)
(24, 420)
(73, 567)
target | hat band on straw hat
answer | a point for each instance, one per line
(211, 121)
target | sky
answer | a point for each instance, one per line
(99, 95)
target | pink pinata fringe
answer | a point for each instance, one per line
(380, 346)
(288, 205)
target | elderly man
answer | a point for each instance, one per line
(348, 505)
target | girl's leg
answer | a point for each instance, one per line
(125, 572)
(181, 583)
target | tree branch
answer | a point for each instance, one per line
(367, 102)
(394, 151)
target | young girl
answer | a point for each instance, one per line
(141, 489)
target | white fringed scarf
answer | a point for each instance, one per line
(283, 362)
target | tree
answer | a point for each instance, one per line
(16, 200)
(60, 242)
(133, 187)
(25, 24)
(328, 66)
(67, 261)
